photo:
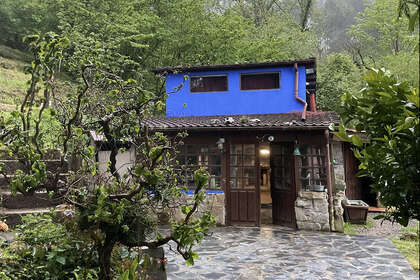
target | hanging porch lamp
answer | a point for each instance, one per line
(297, 151)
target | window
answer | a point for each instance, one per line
(208, 83)
(312, 166)
(194, 156)
(260, 81)
(242, 166)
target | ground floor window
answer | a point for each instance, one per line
(242, 166)
(195, 156)
(312, 166)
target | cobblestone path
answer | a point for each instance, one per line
(278, 253)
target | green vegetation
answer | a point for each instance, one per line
(353, 229)
(388, 111)
(112, 209)
(409, 247)
(12, 79)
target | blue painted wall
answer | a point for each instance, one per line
(234, 101)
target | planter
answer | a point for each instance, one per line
(355, 211)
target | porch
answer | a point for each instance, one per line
(264, 165)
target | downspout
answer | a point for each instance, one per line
(296, 93)
(329, 182)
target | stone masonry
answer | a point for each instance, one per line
(311, 210)
(213, 202)
(339, 185)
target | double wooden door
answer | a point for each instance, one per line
(283, 187)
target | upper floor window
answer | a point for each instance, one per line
(208, 83)
(255, 81)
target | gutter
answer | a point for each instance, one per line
(305, 105)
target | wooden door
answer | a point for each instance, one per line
(351, 166)
(283, 187)
(243, 184)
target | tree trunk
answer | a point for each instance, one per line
(104, 253)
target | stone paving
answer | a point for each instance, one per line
(279, 253)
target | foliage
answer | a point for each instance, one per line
(47, 249)
(336, 75)
(379, 33)
(388, 112)
(27, 139)
(115, 207)
(411, 10)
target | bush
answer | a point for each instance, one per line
(46, 249)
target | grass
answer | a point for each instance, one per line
(353, 229)
(409, 248)
(12, 78)
(13, 81)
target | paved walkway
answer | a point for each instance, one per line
(278, 253)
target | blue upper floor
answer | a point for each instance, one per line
(262, 88)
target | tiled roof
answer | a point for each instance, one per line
(310, 62)
(259, 121)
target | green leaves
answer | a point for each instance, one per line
(388, 114)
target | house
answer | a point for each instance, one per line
(255, 126)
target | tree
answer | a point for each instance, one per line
(388, 112)
(114, 208)
(405, 7)
(336, 74)
(379, 33)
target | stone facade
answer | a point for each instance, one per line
(311, 210)
(213, 202)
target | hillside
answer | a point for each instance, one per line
(12, 79)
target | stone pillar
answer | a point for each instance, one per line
(311, 210)
(339, 185)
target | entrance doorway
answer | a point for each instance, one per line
(278, 188)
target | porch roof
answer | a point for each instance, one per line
(281, 121)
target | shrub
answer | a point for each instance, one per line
(47, 249)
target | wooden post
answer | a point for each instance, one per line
(329, 183)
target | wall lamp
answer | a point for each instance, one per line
(297, 151)
(220, 144)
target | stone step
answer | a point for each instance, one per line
(14, 216)
(38, 199)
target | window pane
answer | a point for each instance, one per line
(215, 160)
(235, 172)
(249, 183)
(236, 148)
(192, 160)
(215, 182)
(249, 172)
(249, 160)
(260, 81)
(208, 83)
(215, 170)
(249, 149)
(235, 160)
(235, 183)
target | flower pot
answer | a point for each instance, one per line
(355, 211)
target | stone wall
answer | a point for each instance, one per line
(311, 210)
(214, 202)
